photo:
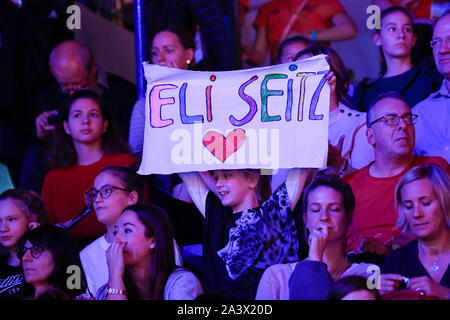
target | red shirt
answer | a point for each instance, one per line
(375, 215)
(422, 11)
(63, 194)
(275, 15)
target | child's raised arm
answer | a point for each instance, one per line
(197, 189)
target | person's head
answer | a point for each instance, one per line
(84, 119)
(148, 234)
(73, 66)
(20, 211)
(49, 257)
(173, 47)
(422, 197)
(290, 46)
(328, 201)
(396, 36)
(336, 66)
(390, 126)
(352, 288)
(115, 188)
(441, 45)
(238, 189)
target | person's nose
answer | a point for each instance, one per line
(324, 215)
(219, 183)
(27, 256)
(418, 211)
(161, 57)
(4, 227)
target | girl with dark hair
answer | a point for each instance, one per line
(245, 231)
(85, 141)
(348, 146)
(49, 257)
(396, 39)
(141, 260)
(20, 211)
(328, 204)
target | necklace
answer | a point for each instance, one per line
(435, 267)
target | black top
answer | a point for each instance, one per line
(405, 261)
(11, 280)
(218, 222)
(414, 85)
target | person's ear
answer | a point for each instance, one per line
(152, 243)
(414, 39)
(105, 125)
(376, 38)
(189, 55)
(33, 225)
(133, 199)
(370, 136)
(66, 127)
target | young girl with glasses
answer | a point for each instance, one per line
(115, 188)
(85, 141)
(20, 211)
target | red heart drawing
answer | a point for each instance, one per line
(222, 147)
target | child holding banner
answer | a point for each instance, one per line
(242, 235)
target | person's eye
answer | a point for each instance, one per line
(314, 208)
(12, 219)
(408, 205)
(127, 230)
(426, 203)
(336, 208)
(391, 28)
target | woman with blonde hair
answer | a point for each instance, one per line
(423, 202)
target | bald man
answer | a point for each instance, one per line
(433, 130)
(73, 67)
(390, 131)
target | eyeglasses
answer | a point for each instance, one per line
(437, 43)
(393, 120)
(35, 251)
(105, 192)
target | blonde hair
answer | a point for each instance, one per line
(440, 182)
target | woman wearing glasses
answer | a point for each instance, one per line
(85, 141)
(51, 265)
(115, 188)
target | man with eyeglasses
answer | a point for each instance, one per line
(73, 67)
(391, 133)
(433, 128)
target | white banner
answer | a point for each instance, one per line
(269, 118)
